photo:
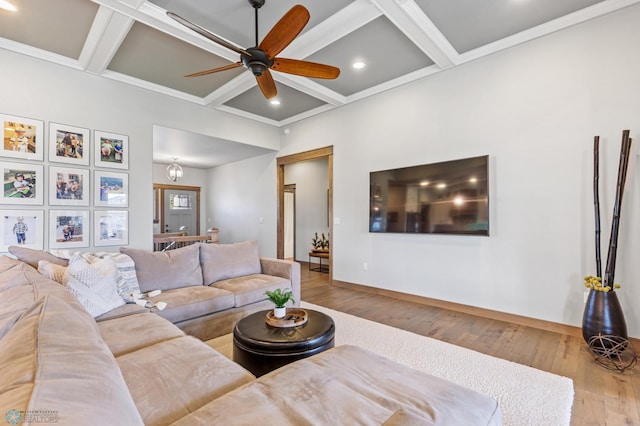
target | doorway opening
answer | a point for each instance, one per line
(176, 209)
(321, 153)
(290, 222)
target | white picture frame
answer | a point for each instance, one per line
(111, 228)
(69, 144)
(111, 150)
(27, 145)
(69, 229)
(30, 193)
(111, 189)
(69, 187)
(33, 235)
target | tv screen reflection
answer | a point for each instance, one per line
(440, 198)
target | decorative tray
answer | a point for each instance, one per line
(293, 318)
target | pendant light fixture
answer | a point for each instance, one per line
(174, 171)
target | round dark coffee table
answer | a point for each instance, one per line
(261, 348)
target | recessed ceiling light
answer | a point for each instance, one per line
(358, 65)
(274, 102)
(4, 4)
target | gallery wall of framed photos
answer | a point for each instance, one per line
(76, 197)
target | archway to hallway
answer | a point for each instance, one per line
(319, 153)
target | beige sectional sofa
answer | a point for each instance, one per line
(207, 288)
(59, 364)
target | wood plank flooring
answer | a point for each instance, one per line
(602, 397)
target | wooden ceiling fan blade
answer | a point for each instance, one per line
(285, 30)
(267, 85)
(212, 70)
(305, 68)
(205, 33)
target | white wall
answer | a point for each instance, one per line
(191, 177)
(534, 109)
(41, 90)
(241, 202)
(312, 181)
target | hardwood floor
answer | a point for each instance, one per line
(602, 397)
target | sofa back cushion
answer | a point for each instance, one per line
(21, 286)
(54, 361)
(224, 261)
(166, 270)
(32, 256)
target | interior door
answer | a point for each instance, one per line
(180, 211)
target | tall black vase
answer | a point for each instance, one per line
(603, 315)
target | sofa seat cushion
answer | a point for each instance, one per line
(348, 385)
(171, 379)
(192, 302)
(223, 261)
(166, 270)
(122, 311)
(251, 288)
(134, 332)
(53, 359)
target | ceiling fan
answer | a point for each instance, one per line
(263, 57)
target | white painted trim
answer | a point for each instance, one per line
(34, 52)
(152, 86)
(310, 87)
(558, 24)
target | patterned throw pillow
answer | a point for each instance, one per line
(52, 271)
(94, 282)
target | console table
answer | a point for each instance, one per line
(320, 255)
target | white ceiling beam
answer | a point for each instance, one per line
(344, 22)
(107, 33)
(311, 88)
(408, 17)
(155, 17)
(35, 52)
(549, 27)
(231, 89)
(123, 78)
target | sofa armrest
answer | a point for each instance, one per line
(284, 269)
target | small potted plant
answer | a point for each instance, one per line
(280, 297)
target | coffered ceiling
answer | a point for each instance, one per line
(399, 41)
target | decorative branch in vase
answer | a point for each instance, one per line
(603, 314)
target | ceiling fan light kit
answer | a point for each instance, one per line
(263, 57)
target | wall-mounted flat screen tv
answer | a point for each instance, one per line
(441, 198)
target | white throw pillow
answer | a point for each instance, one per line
(94, 282)
(52, 271)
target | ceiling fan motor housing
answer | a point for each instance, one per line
(258, 62)
(257, 4)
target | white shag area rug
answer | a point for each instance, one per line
(527, 396)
